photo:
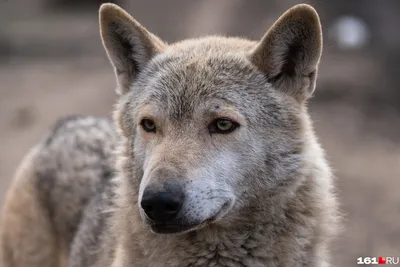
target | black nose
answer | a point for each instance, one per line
(162, 206)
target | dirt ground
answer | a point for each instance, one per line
(54, 65)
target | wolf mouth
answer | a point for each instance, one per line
(180, 227)
(166, 228)
(183, 226)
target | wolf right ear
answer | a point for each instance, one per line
(289, 52)
(128, 44)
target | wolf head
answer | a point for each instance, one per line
(211, 125)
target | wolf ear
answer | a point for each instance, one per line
(289, 52)
(128, 44)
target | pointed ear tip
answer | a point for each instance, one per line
(109, 11)
(108, 7)
(305, 11)
(305, 7)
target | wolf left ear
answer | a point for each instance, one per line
(289, 52)
(128, 44)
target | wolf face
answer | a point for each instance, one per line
(211, 125)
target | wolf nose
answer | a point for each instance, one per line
(162, 206)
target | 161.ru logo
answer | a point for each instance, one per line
(378, 260)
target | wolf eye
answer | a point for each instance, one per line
(222, 126)
(148, 125)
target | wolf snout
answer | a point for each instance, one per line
(162, 204)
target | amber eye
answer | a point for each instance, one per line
(148, 125)
(222, 126)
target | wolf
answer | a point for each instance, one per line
(210, 159)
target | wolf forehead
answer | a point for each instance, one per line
(212, 70)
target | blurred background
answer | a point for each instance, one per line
(52, 64)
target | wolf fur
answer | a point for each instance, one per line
(260, 195)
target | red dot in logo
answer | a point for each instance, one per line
(382, 260)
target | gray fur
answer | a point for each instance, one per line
(259, 196)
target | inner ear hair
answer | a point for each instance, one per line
(128, 44)
(290, 51)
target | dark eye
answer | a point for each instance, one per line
(148, 125)
(222, 126)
